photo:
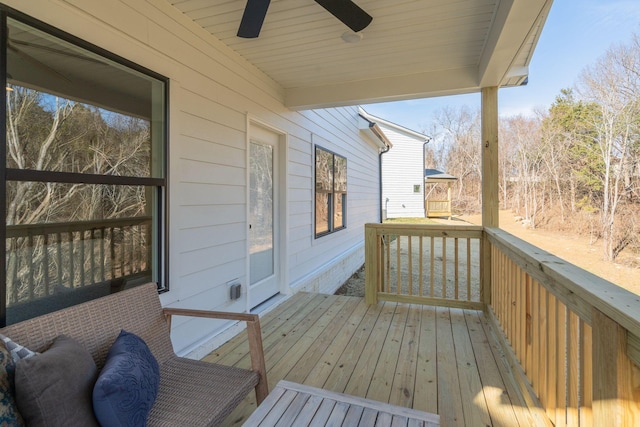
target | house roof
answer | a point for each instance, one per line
(412, 49)
(377, 120)
(378, 135)
(434, 175)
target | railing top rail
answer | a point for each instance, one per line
(433, 230)
(24, 230)
(576, 288)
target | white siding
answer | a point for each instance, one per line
(402, 168)
(213, 92)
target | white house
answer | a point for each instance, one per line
(244, 157)
(402, 170)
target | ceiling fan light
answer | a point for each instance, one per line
(351, 37)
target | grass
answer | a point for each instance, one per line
(410, 221)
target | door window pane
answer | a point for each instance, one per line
(261, 212)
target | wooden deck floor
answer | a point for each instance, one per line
(440, 360)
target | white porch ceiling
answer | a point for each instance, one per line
(412, 49)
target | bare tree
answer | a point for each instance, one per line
(459, 131)
(49, 133)
(613, 84)
(521, 135)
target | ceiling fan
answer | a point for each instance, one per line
(345, 10)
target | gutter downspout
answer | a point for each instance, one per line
(424, 167)
(386, 146)
(382, 151)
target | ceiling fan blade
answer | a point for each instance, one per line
(348, 12)
(252, 18)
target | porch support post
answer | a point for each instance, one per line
(615, 377)
(489, 182)
(371, 268)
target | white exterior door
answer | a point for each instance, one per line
(263, 224)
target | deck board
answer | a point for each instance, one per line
(425, 395)
(449, 396)
(439, 360)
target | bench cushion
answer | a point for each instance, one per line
(193, 392)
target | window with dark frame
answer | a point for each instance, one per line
(85, 138)
(330, 192)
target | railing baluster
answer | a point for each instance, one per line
(123, 244)
(420, 263)
(444, 267)
(455, 268)
(586, 378)
(409, 266)
(112, 243)
(552, 353)
(533, 328)
(513, 289)
(541, 355)
(468, 269)
(82, 266)
(103, 260)
(72, 271)
(59, 257)
(129, 258)
(30, 264)
(139, 250)
(432, 265)
(14, 271)
(573, 346)
(398, 265)
(561, 361)
(45, 264)
(93, 254)
(388, 263)
(380, 260)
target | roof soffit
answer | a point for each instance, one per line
(412, 49)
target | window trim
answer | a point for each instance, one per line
(331, 228)
(161, 185)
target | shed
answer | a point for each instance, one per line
(437, 207)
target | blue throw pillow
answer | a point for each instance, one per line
(127, 387)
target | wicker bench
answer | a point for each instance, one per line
(192, 392)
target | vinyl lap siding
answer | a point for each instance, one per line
(402, 168)
(339, 133)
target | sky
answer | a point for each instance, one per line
(576, 34)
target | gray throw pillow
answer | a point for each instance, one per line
(54, 388)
